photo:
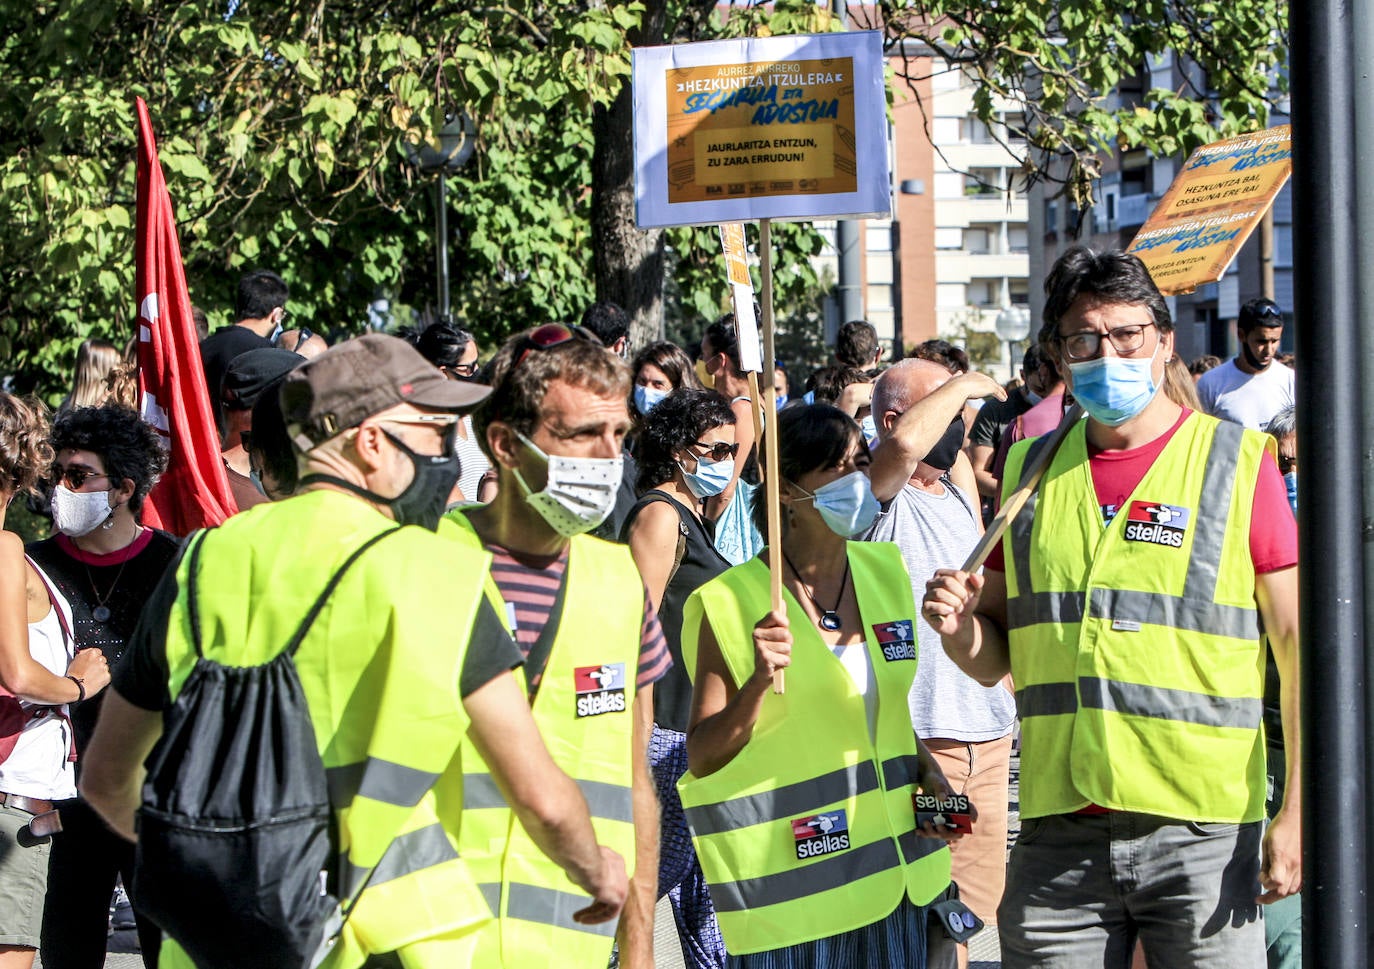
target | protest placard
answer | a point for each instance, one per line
(761, 128)
(1214, 203)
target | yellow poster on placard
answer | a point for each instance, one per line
(1211, 208)
(761, 129)
(736, 255)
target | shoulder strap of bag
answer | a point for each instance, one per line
(681, 551)
(299, 636)
(53, 601)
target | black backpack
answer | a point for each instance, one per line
(236, 851)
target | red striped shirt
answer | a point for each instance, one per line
(533, 591)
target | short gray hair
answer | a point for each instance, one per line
(1284, 423)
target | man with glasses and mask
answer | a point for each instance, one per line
(928, 497)
(407, 659)
(1251, 389)
(1127, 601)
(554, 427)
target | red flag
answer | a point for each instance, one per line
(194, 492)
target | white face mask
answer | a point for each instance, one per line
(77, 513)
(580, 492)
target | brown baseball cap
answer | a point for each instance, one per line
(353, 380)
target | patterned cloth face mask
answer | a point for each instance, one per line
(580, 492)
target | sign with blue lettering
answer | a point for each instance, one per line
(1214, 203)
(788, 127)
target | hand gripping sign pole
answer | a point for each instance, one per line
(762, 394)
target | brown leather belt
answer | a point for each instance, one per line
(34, 805)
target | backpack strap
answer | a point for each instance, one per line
(298, 637)
(681, 551)
(333, 583)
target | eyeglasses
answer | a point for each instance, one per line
(75, 475)
(1082, 346)
(544, 338)
(462, 370)
(718, 451)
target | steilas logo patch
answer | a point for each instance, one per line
(600, 689)
(821, 834)
(1156, 523)
(896, 639)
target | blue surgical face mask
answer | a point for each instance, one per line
(646, 398)
(869, 427)
(1114, 389)
(710, 478)
(782, 400)
(846, 504)
(1290, 480)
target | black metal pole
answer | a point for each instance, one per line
(441, 231)
(1335, 825)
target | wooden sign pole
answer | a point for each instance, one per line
(768, 404)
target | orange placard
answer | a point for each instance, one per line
(754, 130)
(1211, 208)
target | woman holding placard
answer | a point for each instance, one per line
(801, 804)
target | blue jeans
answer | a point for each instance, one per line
(1081, 889)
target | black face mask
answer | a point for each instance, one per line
(425, 498)
(946, 450)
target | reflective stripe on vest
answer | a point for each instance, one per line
(532, 896)
(1158, 646)
(385, 736)
(762, 824)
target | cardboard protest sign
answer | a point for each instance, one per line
(1214, 203)
(786, 127)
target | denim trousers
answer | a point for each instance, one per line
(1083, 888)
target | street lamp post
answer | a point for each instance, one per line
(1012, 324)
(445, 154)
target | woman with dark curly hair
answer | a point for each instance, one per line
(42, 676)
(686, 456)
(106, 564)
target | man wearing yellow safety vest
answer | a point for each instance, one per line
(554, 427)
(391, 683)
(1127, 603)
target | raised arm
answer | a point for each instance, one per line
(917, 429)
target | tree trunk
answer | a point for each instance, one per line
(628, 261)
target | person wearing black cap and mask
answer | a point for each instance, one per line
(929, 501)
(249, 377)
(391, 669)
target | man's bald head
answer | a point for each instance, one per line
(905, 383)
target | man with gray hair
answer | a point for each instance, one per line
(929, 508)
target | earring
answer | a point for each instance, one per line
(108, 523)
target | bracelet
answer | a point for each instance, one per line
(80, 688)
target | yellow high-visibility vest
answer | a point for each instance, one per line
(583, 711)
(383, 688)
(810, 830)
(1135, 645)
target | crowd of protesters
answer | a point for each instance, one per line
(552, 698)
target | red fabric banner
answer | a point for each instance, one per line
(194, 492)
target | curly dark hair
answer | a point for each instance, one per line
(24, 451)
(128, 447)
(679, 419)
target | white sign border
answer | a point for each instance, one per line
(873, 199)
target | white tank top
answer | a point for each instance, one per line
(39, 766)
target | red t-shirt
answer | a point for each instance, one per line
(1273, 530)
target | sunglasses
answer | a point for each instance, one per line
(718, 451)
(463, 370)
(75, 476)
(547, 337)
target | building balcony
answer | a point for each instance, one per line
(1133, 210)
(991, 209)
(958, 266)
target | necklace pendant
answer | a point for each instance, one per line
(829, 621)
(102, 613)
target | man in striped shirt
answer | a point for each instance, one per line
(554, 428)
